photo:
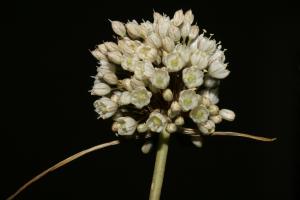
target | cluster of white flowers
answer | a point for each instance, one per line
(158, 75)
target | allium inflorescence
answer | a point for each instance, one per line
(158, 76)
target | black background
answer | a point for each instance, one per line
(48, 113)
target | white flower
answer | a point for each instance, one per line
(199, 114)
(125, 98)
(218, 70)
(100, 89)
(192, 77)
(207, 127)
(129, 63)
(147, 53)
(105, 107)
(127, 125)
(118, 28)
(200, 59)
(188, 99)
(160, 78)
(207, 45)
(227, 114)
(211, 95)
(218, 55)
(184, 51)
(140, 97)
(156, 122)
(174, 62)
(143, 70)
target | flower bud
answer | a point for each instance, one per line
(142, 128)
(179, 121)
(110, 78)
(205, 101)
(197, 141)
(210, 82)
(211, 95)
(168, 44)
(193, 32)
(178, 18)
(174, 33)
(175, 107)
(100, 89)
(168, 95)
(125, 98)
(213, 109)
(126, 83)
(98, 55)
(185, 30)
(154, 40)
(171, 128)
(216, 119)
(111, 46)
(102, 48)
(146, 148)
(227, 114)
(163, 26)
(116, 96)
(118, 28)
(133, 29)
(115, 126)
(135, 83)
(188, 17)
(115, 57)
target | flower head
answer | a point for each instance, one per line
(156, 74)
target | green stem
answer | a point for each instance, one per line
(160, 164)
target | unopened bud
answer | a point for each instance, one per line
(171, 128)
(185, 30)
(175, 107)
(118, 28)
(102, 48)
(178, 18)
(168, 95)
(133, 30)
(227, 114)
(188, 17)
(168, 44)
(146, 148)
(110, 78)
(213, 109)
(141, 128)
(100, 89)
(174, 33)
(197, 141)
(193, 32)
(111, 46)
(216, 119)
(115, 126)
(179, 121)
(98, 55)
(115, 57)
